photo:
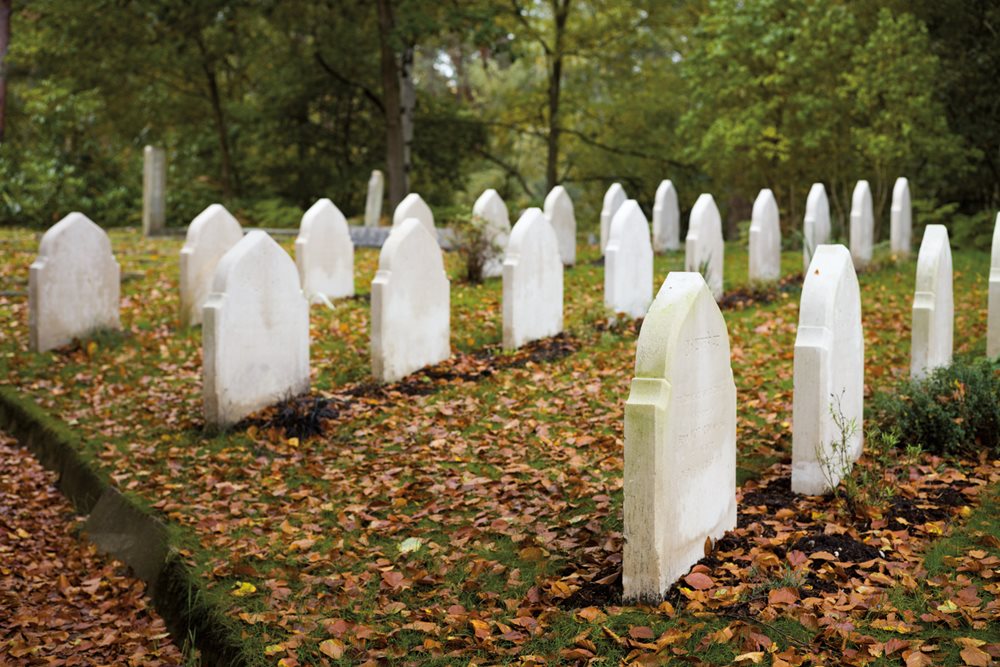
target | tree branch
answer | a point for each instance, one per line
(510, 169)
(372, 97)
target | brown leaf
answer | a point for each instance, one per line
(699, 581)
(333, 648)
(641, 632)
(976, 657)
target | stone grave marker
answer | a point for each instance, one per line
(559, 211)
(628, 262)
(613, 199)
(816, 226)
(154, 190)
(704, 248)
(324, 253)
(901, 219)
(532, 282)
(666, 219)
(933, 304)
(491, 208)
(765, 239)
(373, 202)
(209, 237)
(993, 303)
(413, 206)
(862, 225)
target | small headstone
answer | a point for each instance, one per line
(413, 206)
(256, 332)
(765, 238)
(628, 262)
(933, 304)
(154, 190)
(209, 237)
(410, 303)
(532, 282)
(901, 219)
(862, 225)
(559, 211)
(666, 219)
(373, 202)
(704, 248)
(680, 439)
(993, 302)
(324, 253)
(613, 199)
(73, 285)
(829, 378)
(816, 227)
(493, 211)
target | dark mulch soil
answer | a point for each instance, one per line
(759, 294)
(775, 495)
(299, 417)
(603, 590)
(843, 547)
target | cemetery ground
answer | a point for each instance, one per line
(472, 512)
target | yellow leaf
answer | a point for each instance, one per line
(274, 649)
(333, 648)
(756, 657)
(948, 607)
(293, 442)
(241, 589)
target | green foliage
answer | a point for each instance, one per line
(475, 244)
(956, 410)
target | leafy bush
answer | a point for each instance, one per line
(476, 243)
(956, 410)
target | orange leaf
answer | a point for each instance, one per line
(641, 632)
(699, 581)
(333, 648)
(481, 629)
(976, 657)
(782, 596)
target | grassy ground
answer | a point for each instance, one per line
(455, 516)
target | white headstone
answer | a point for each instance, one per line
(816, 227)
(154, 190)
(993, 300)
(410, 304)
(666, 219)
(862, 225)
(680, 438)
(704, 248)
(613, 199)
(933, 304)
(256, 331)
(901, 218)
(765, 238)
(532, 282)
(73, 285)
(209, 237)
(324, 253)
(373, 202)
(829, 373)
(628, 262)
(493, 211)
(559, 211)
(413, 206)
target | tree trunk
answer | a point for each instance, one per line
(228, 175)
(4, 43)
(408, 98)
(560, 11)
(395, 143)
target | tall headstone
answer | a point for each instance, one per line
(532, 282)
(613, 199)
(73, 285)
(256, 333)
(862, 225)
(628, 262)
(765, 238)
(933, 304)
(704, 248)
(901, 219)
(666, 219)
(413, 206)
(373, 202)
(410, 303)
(209, 237)
(560, 213)
(491, 208)
(324, 253)
(680, 438)
(154, 190)
(993, 300)
(829, 374)
(816, 227)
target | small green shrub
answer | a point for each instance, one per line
(476, 243)
(956, 410)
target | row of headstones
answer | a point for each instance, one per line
(680, 417)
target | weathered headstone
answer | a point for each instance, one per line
(73, 285)
(680, 439)
(666, 219)
(816, 227)
(862, 225)
(256, 331)
(491, 208)
(560, 213)
(704, 248)
(413, 206)
(410, 303)
(373, 202)
(154, 190)
(613, 199)
(532, 282)
(324, 253)
(628, 262)
(765, 238)
(901, 218)
(933, 304)
(993, 300)
(209, 237)
(829, 374)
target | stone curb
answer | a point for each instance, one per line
(119, 527)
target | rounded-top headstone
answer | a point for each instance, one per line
(666, 218)
(993, 300)
(613, 199)
(532, 282)
(704, 248)
(816, 226)
(324, 253)
(560, 213)
(901, 218)
(209, 237)
(862, 225)
(628, 262)
(765, 238)
(413, 206)
(933, 304)
(492, 209)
